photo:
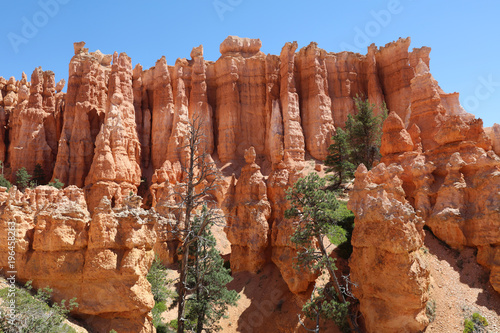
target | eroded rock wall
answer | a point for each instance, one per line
(390, 273)
(86, 101)
(102, 261)
(115, 171)
(117, 129)
(450, 171)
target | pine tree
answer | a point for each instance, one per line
(338, 158)
(358, 143)
(207, 278)
(313, 209)
(364, 133)
(22, 179)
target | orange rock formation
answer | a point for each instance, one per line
(451, 174)
(119, 128)
(102, 261)
(247, 221)
(391, 276)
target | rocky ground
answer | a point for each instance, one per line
(459, 287)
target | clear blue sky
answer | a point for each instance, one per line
(464, 35)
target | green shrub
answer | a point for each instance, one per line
(341, 233)
(34, 314)
(173, 323)
(57, 184)
(475, 325)
(4, 182)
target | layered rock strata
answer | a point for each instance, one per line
(387, 267)
(247, 218)
(451, 174)
(102, 261)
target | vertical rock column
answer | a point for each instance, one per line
(391, 276)
(199, 109)
(294, 137)
(162, 113)
(86, 101)
(247, 221)
(28, 135)
(316, 105)
(115, 171)
(228, 106)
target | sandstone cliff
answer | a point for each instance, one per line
(102, 261)
(391, 276)
(287, 103)
(117, 129)
(451, 174)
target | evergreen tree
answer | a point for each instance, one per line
(200, 179)
(338, 158)
(207, 280)
(365, 133)
(4, 182)
(157, 277)
(22, 179)
(313, 209)
(39, 175)
(359, 143)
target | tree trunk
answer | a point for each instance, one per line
(352, 323)
(182, 291)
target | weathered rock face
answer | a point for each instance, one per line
(451, 175)
(494, 134)
(316, 105)
(115, 171)
(247, 219)
(34, 125)
(391, 275)
(397, 68)
(86, 102)
(101, 261)
(116, 125)
(277, 104)
(284, 175)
